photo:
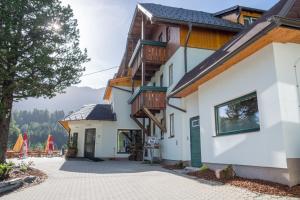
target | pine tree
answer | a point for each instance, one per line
(39, 54)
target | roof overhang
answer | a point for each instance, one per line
(280, 30)
(160, 20)
(122, 81)
(65, 125)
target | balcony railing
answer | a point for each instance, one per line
(152, 53)
(152, 98)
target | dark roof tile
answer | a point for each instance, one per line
(284, 8)
(189, 16)
(93, 112)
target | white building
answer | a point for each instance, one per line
(208, 96)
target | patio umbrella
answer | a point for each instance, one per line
(19, 144)
(49, 144)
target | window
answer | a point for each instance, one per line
(238, 116)
(172, 125)
(75, 139)
(154, 84)
(249, 20)
(161, 132)
(160, 37)
(126, 138)
(161, 80)
(170, 74)
(168, 33)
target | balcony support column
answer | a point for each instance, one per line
(142, 51)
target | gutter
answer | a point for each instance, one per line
(185, 46)
(216, 27)
(275, 21)
(122, 89)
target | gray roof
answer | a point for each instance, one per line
(93, 112)
(284, 13)
(180, 15)
(236, 8)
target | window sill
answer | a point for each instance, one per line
(237, 132)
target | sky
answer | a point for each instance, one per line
(104, 26)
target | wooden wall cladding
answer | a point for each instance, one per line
(205, 38)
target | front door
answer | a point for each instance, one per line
(195, 142)
(89, 143)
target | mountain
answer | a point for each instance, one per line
(73, 98)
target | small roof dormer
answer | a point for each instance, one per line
(240, 14)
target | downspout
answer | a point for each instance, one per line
(173, 106)
(185, 64)
(185, 46)
(240, 13)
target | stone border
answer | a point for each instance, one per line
(10, 185)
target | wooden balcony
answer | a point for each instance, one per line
(152, 99)
(152, 53)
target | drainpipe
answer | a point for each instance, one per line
(240, 14)
(185, 46)
(173, 106)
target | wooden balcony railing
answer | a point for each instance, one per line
(152, 98)
(154, 54)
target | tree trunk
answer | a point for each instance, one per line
(5, 116)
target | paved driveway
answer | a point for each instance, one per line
(121, 180)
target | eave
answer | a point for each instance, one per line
(280, 30)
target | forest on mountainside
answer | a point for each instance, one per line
(37, 124)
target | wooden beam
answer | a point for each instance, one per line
(154, 119)
(139, 123)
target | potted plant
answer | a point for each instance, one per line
(71, 151)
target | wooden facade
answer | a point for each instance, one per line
(152, 54)
(205, 38)
(276, 35)
(152, 98)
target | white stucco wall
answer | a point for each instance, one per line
(262, 148)
(192, 110)
(286, 56)
(106, 131)
(176, 148)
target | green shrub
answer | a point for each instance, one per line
(5, 169)
(229, 172)
(25, 166)
(180, 165)
(203, 168)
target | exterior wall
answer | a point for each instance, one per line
(106, 131)
(286, 56)
(264, 148)
(248, 14)
(191, 103)
(175, 148)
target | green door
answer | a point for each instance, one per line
(195, 142)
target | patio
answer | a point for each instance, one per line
(121, 180)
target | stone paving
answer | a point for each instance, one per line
(122, 180)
